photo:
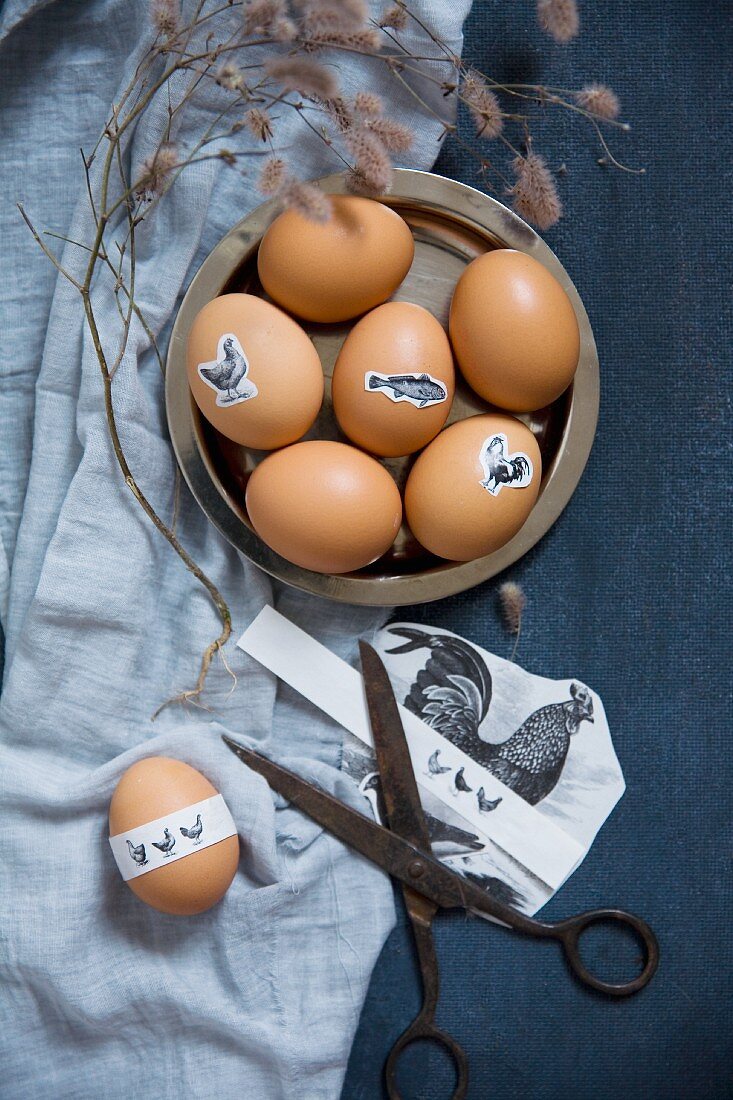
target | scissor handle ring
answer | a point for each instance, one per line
(422, 1028)
(569, 932)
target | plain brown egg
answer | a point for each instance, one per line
(335, 270)
(389, 377)
(282, 365)
(324, 506)
(150, 789)
(448, 506)
(514, 331)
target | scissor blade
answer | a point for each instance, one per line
(401, 799)
(398, 857)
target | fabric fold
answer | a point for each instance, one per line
(101, 995)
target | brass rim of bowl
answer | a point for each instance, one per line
(500, 226)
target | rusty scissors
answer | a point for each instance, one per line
(403, 850)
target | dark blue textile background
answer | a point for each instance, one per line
(630, 590)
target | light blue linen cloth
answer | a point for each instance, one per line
(102, 996)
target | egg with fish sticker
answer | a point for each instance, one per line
(473, 487)
(253, 372)
(393, 381)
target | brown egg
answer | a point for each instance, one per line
(152, 788)
(335, 270)
(473, 487)
(514, 331)
(253, 372)
(393, 381)
(324, 506)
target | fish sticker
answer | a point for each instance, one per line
(502, 469)
(227, 374)
(418, 389)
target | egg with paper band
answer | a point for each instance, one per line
(473, 487)
(393, 382)
(334, 270)
(514, 331)
(324, 506)
(253, 372)
(198, 874)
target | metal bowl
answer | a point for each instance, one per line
(452, 224)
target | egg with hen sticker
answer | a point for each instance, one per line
(394, 380)
(253, 372)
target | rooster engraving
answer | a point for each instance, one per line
(500, 468)
(227, 374)
(452, 695)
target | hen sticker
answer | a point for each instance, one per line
(227, 374)
(502, 469)
(418, 389)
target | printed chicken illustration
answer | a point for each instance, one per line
(459, 783)
(434, 765)
(137, 852)
(166, 844)
(194, 831)
(226, 374)
(452, 695)
(501, 468)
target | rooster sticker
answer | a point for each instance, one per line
(500, 468)
(227, 374)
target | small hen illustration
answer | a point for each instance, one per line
(137, 852)
(460, 783)
(166, 844)
(500, 468)
(486, 805)
(435, 768)
(227, 373)
(194, 832)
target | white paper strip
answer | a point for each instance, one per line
(158, 843)
(337, 689)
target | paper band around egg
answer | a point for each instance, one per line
(159, 843)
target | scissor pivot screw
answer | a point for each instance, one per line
(416, 869)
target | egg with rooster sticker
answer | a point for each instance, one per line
(253, 372)
(473, 487)
(393, 381)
